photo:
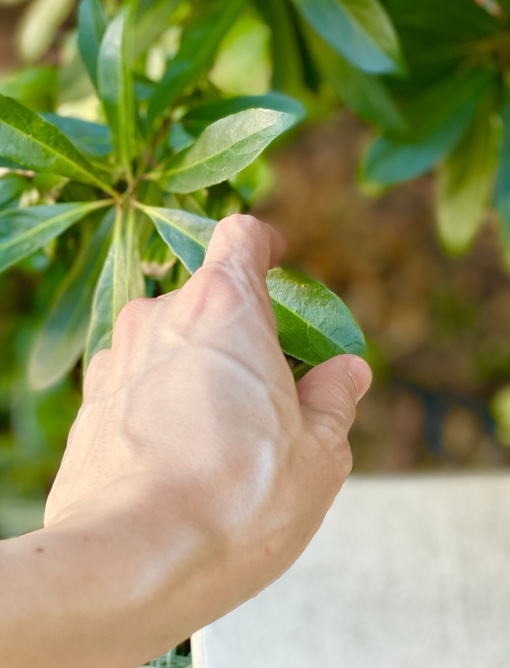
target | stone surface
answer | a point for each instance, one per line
(404, 572)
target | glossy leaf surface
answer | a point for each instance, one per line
(61, 339)
(313, 323)
(25, 230)
(224, 148)
(115, 85)
(359, 30)
(92, 23)
(29, 140)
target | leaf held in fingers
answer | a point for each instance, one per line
(61, 339)
(23, 231)
(186, 234)
(92, 23)
(115, 85)
(313, 323)
(29, 140)
(224, 149)
(359, 30)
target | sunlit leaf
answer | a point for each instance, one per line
(25, 230)
(121, 280)
(61, 339)
(359, 30)
(40, 25)
(465, 181)
(224, 148)
(92, 23)
(115, 85)
(29, 140)
(35, 87)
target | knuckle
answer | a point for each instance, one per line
(132, 314)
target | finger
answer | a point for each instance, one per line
(329, 393)
(243, 244)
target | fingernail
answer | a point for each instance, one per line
(361, 376)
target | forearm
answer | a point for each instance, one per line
(88, 594)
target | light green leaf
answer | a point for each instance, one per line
(40, 25)
(198, 47)
(61, 339)
(465, 182)
(11, 187)
(186, 234)
(152, 18)
(92, 139)
(313, 323)
(208, 113)
(35, 87)
(29, 140)
(115, 85)
(121, 280)
(359, 30)
(502, 195)
(224, 148)
(23, 231)
(92, 23)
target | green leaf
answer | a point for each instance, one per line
(437, 121)
(359, 30)
(186, 234)
(92, 24)
(196, 53)
(224, 148)
(11, 188)
(92, 139)
(465, 182)
(121, 280)
(365, 94)
(115, 85)
(313, 323)
(208, 113)
(61, 339)
(35, 87)
(40, 25)
(152, 18)
(29, 140)
(502, 195)
(23, 231)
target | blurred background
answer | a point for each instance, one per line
(435, 307)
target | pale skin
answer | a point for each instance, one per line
(195, 473)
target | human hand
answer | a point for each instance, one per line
(195, 445)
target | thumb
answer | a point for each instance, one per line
(328, 394)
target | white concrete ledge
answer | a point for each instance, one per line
(406, 572)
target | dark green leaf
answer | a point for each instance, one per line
(35, 87)
(224, 148)
(61, 339)
(186, 234)
(359, 30)
(465, 182)
(198, 47)
(208, 113)
(11, 188)
(121, 280)
(92, 23)
(92, 139)
(313, 323)
(502, 196)
(31, 141)
(115, 85)
(23, 231)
